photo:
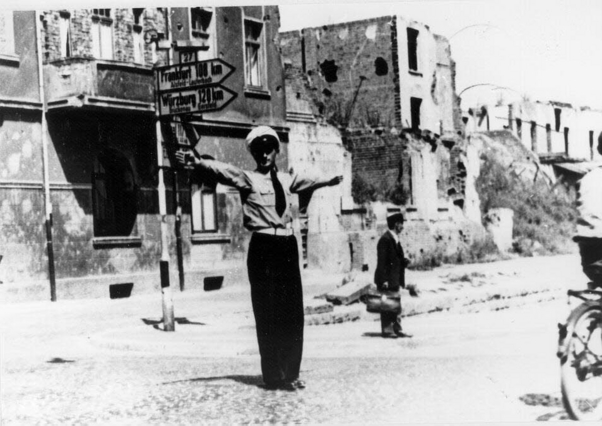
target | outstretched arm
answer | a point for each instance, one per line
(225, 173)
(308, 182)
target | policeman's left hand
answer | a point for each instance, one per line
(335, 180)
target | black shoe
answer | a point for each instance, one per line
(298, 384)
(400, 333)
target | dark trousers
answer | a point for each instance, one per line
(389, 321)
(277, 297)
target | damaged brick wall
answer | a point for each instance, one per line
(347, 61)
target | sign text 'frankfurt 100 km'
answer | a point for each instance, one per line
(185, 76)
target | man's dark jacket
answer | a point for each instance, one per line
(390, 263)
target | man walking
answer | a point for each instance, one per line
(390, 272)
(273, 256)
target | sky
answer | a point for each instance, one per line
(536, 49)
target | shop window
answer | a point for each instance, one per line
(115, 195)
(204, 213)
(413, 49)
(65, 33)
(415, 104)
(102, 34)
(203, 28)
(7, 33)
(253, 52)
(138, 38)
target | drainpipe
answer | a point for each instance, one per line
(45, 165)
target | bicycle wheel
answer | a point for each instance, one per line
(581, 363)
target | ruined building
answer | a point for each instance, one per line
(563, 136)
(388, 85)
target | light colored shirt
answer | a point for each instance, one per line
(257, 192)
(589, 205)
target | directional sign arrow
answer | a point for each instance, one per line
(200, 99)
(194, 74)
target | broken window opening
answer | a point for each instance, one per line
(329, 70)
(380, 66)
(534, 136)
(557, 112)
(415, 104)
(412, 49)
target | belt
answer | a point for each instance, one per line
(281, 232)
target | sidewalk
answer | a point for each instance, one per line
(226, 325)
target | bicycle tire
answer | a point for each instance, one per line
(587, 406)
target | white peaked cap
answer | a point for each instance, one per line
(260, 131)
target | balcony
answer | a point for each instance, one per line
(99, 84)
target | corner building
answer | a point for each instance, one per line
(83, 143)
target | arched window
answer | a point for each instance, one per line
(115, 195)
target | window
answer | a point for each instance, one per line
(202, 27)
(548, 137)
(412, 49)
(557, 112)
(534, 136)
(137, 36)
(253, 52)
(591, 144)
(204, 217)
(7, 33)
(102, 34)
(115, 194)
(415, 111)
(65, 33)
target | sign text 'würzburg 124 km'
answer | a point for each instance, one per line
(193, 87)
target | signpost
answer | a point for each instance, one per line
(183, 89)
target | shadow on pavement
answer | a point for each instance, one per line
(59, 361)
(246, 380)
(372, 334)
(180, 320)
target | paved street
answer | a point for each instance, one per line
(96, 361)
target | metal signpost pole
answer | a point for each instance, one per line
(166, 293)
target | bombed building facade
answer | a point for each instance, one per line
(388, 85)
